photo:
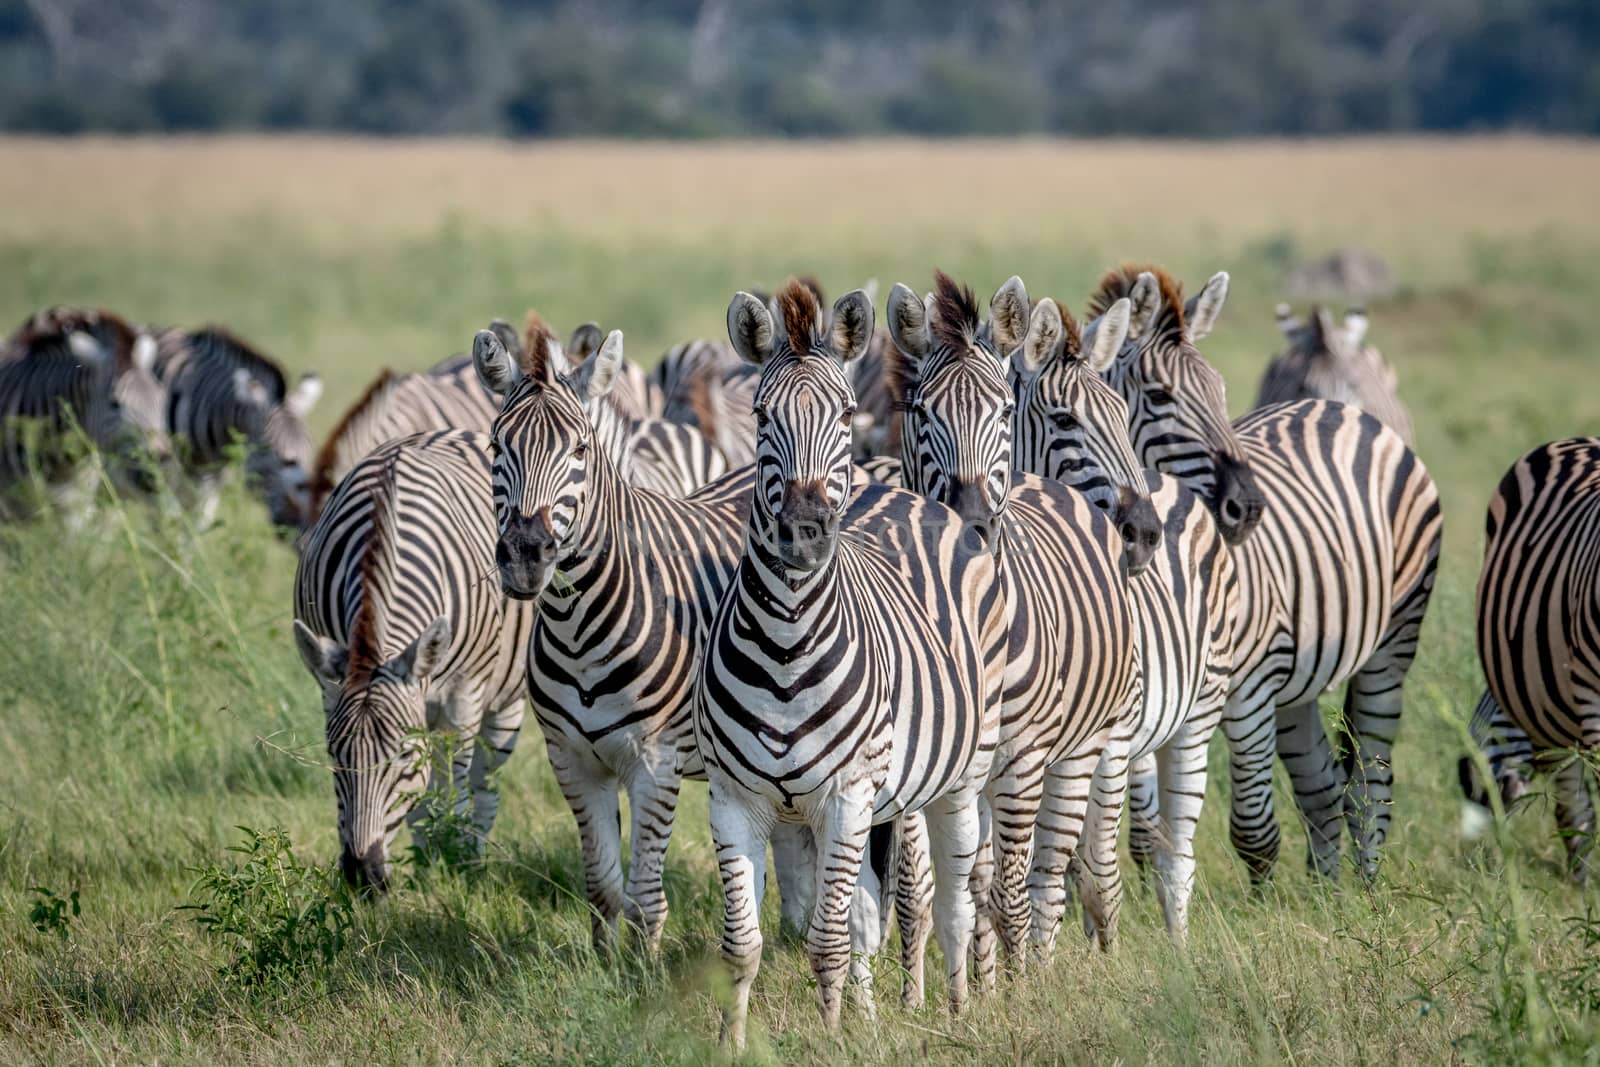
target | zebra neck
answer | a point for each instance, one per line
(609, 544)
(791, 600)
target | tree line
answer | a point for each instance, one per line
(706, 68)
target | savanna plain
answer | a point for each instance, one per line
(153, 703)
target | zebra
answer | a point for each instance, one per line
(218, 389)
(851, 673)
(626, 580)
(68, 370)
(1334, 527)
(1333, 362)
(1072, 426)
(399, 619)
(1537, 596)
(1071, 672)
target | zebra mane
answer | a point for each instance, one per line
(802, 314)
(1071, 334)
(46, 333)
(218, 342)
(1119, 282)
(955, 311)
(371, 626)
(537, 338)
(704, 405)
(328, 458)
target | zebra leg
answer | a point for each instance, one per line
(1372, 719)
(1181, 766)
(653, 784)
(845, 824)
(913, 905)
(1144, 810)
(1318, 784)
(1055, 839)
(794, 862)
(1098, 876)
(953, 844)
(1248, 722)
(868, 913)
(1015, 799)
(497, 738)
(982, 881)
(740, 825)
(593, 797)
(1574, 813)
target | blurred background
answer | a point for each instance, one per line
(702, 68)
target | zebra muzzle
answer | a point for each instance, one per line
(807, 525)
(525, 555)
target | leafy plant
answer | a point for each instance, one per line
(50, 912)
(278, 916)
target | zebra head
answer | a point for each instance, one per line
(541, 447)
(1071, 425)
(804, 408)
(946, 375)
(281, 454)
(376, 711)
(1177, 402)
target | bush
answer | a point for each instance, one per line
(279, 917)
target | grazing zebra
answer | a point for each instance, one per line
(399, 619)
(1333, 363)
(1334, 529)
(1071, 671)
(1071, 425)
(66, 370)
(627, 580)
(851, 673)
(1537, 634)
(220, 389)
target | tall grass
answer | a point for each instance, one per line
(154, 703)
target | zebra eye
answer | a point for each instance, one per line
(761, 418)
(494, 448)
(581, 449)
(1157, 395)
(1065, 421)
(1007, 411)
(847, 417)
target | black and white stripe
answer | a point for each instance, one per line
(220, 391)
(1333, 362)
(1073, 426)
(845, 681)
(68, 374)
(705, 384)
(1539, 634)
(1334, 526)
(400, 619)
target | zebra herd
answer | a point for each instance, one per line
(929, 604)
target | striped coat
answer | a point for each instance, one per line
(1539, 634)
(400, 620)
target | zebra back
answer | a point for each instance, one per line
(1332, 362)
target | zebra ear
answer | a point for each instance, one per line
(85, 348)
(908, 322)
(1200, 313)
(584, 342)
(1008, 316)
(509, 337)
(750, 328)
(424, 655)
(1355, 327)
(1042, 340)
(1105, 336)
(304, 397)
(851, 330)
(595, 377)
(324, 657)
(498, 372)
(1144, 300)
(1287, 323)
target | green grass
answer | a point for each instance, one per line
(154, 702)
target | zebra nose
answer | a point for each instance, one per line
(970, 501)
(806, 525)
(1140, 528)
(1239, 502)
(368, 874)
(524, 554)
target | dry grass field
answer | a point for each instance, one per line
(154, 703)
